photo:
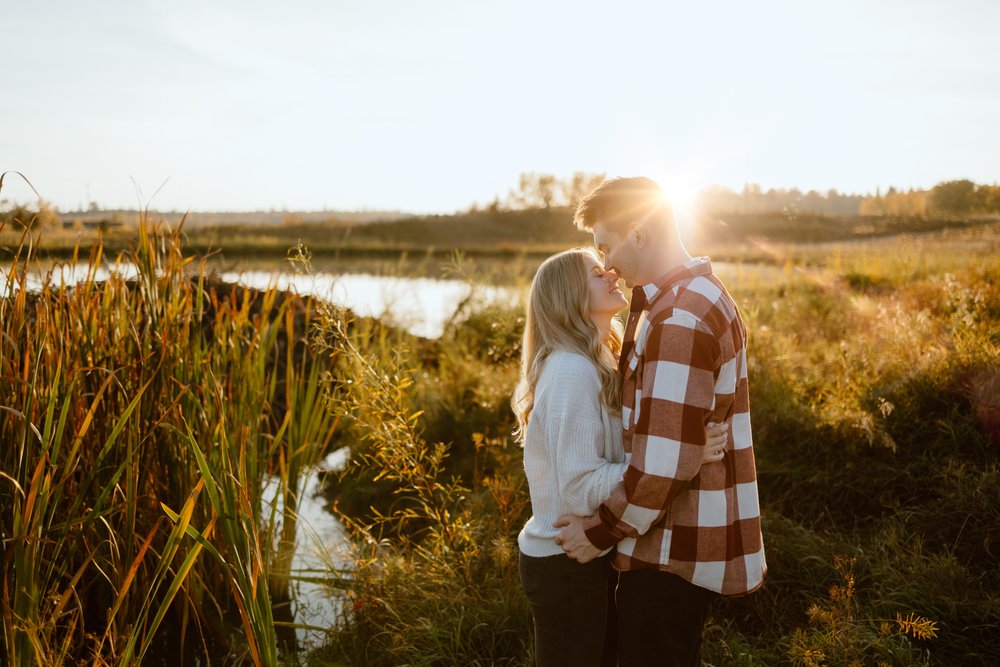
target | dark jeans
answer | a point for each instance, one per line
(660, 617)
(573, 609)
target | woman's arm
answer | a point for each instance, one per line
(576, 434)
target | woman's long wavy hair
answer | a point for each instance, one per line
(558, 317)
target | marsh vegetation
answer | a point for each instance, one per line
(141, 416)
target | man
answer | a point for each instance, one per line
(684, 533)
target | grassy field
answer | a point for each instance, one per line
(141, 418)
(487, 234)
(875, 393)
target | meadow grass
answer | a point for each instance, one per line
(140, 421)
(493, 234)
(141, 418)
(875, 394)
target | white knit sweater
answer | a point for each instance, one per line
(573, 454)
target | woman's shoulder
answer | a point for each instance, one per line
(563, 365)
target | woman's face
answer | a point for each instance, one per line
(605, 297)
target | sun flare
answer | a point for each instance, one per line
(682, 194)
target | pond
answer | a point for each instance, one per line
(422, 306)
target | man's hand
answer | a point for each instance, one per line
(573, 539)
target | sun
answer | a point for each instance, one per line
(681, 192)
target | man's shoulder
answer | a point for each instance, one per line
(701, 299)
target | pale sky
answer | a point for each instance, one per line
(428, 106)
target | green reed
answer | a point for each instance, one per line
(140, 420)
(433, 560)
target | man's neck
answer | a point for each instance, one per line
(665, 259)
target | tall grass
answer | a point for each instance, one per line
(875, 390)
(140, 420)
(433, 564)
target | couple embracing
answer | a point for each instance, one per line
(637, 444)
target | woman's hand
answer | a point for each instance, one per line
(716, 437)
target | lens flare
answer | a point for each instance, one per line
(682, 194)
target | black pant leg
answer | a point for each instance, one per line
(569, 605)
(660, 619)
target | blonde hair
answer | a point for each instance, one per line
(558, 317)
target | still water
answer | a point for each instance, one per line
(423, 306)
(322, 546)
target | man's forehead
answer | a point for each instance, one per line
(602, 235)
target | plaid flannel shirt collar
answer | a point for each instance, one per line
(696, 266)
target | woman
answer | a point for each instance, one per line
(568, 407)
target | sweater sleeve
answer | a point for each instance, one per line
(577, 437)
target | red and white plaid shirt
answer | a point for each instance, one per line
(687, 366)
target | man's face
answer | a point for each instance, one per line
(619, 252)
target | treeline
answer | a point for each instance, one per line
(543, 191)
(962, 197)
(540, 190)
(753, 199)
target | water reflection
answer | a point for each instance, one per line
(422, 306)
(322, 548)
(70, 274)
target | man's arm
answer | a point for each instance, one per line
(678, 393)
(573, 539)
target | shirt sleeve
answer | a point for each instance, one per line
(577, 438)
(679, 370)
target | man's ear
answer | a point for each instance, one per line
(637, 234)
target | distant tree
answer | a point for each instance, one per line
(20, 216)
(988, 198)
(873, 206)
(578, 186)
(953, 197)
(535, 190)
(752, 199)
(912, 203)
